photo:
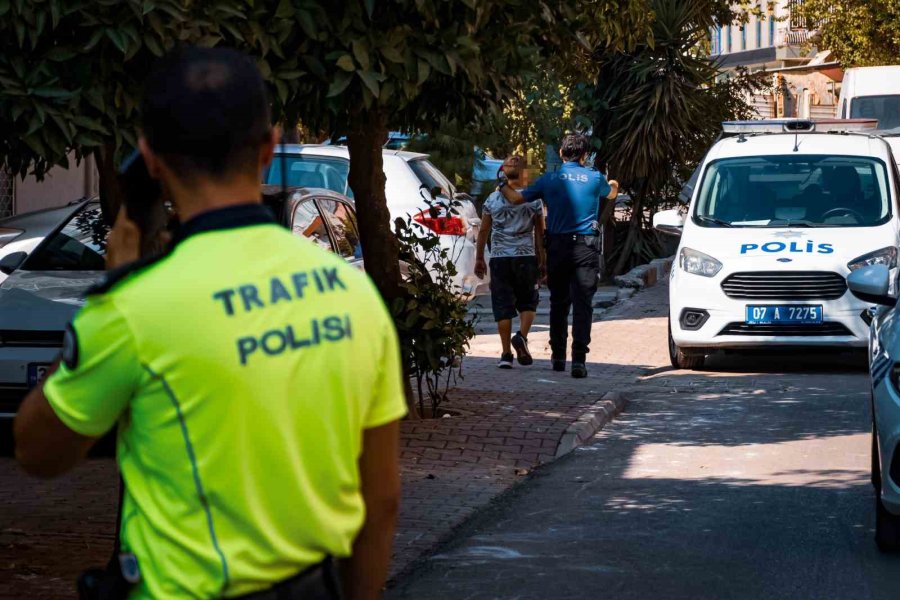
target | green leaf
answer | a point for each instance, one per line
(424, 71)
(340, 83)
(289, 75)
(116, 37)
(371, 80)
(285, 10)
(60, 54)
(361, 52)
(392, 54)
(52, 92)
(346, 63)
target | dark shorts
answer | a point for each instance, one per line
(514, 286)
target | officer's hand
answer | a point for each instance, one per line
(480, 268)
(123, 245)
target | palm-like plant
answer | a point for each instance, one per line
(658, 108)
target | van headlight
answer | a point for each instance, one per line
(885, 256)
(697, 263)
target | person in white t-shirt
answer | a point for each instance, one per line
(517, 262)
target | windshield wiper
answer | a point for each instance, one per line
(714, 221)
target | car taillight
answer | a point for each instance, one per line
(451, 225)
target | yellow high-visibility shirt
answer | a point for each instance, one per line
(242, 369)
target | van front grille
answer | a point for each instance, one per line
(785, 285)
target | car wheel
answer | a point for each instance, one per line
(679, 359)
(887, 528)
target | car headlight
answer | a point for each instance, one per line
(885, 256)
(697, 263)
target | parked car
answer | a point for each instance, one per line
(45, 288)
(412, 183)
(783, 212)
(872, 285)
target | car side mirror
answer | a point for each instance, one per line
(670, 222)
(12, 261)
(871, 284)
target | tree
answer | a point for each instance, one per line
(71, 72)
(658, 108)
(860, 32)
(408, 64)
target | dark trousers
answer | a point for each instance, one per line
(573, 264)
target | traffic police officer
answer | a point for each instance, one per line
(572, 195)
(255, 378)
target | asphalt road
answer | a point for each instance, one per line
(748, 480)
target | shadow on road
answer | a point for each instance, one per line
(750, 483)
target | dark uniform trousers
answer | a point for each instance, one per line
(573, 265)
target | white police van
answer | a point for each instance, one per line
(782, 212)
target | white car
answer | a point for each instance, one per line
(410, 180)
(783, 212)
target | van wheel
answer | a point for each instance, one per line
(679, 359)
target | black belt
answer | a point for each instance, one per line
(318, 582)
(573, 237)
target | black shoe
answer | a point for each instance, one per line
(506, 361)
(579, 371)
(558, 364)
(520, 345)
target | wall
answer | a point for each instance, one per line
(58, 188)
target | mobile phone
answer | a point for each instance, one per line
(144, 202)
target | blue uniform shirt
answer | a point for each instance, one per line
(572, 196)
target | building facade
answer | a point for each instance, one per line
(776, 38)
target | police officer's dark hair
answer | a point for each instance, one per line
(206, 112)
(573, 146)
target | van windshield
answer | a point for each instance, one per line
(794, 191)
(884, 108)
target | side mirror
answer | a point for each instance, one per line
(670, 222)
(871, 284)
(12, 261)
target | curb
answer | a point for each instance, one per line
(588, 424)
(646, 275)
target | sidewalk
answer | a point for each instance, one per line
(511, 421)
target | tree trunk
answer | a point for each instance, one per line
(111, 194)
(381, 252)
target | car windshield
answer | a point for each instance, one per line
(79, 246)
(794, 191)
(884, 108)
(325, 172)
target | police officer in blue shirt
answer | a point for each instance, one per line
(572, 195)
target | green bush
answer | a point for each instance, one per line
(431, 316)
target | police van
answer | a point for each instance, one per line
(782, 212)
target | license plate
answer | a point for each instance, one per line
(37, 373)
(785, 313)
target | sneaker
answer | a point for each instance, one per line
(520, 345)
(506, 361)
(579, 370)
(558, 364)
